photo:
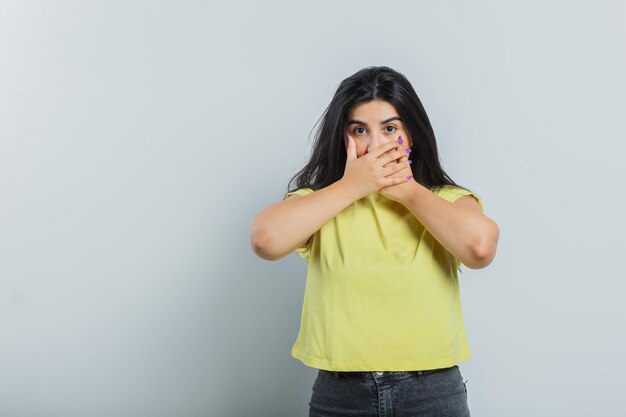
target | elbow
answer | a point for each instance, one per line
(261, 246)
(483, 258)
(263, 252)
(485, 252)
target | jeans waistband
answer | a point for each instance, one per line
(380, 374)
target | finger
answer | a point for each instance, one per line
(405, 157)
(351, 152)
(397, 156)
(400, 147)
(384, 148)
(404, 154)
(397, 180)
(394, 169)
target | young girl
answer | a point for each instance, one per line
(384, 230)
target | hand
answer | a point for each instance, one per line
(375, 169)
(399, 191)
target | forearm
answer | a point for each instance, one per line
(459, 230)
(279, 228)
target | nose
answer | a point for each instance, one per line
(377, 140)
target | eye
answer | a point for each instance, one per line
(355, 129)
(393, 127)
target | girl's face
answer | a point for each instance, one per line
(373, 123)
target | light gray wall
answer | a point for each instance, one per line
(138, 139)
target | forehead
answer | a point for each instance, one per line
(373, 109)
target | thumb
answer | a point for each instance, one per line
(351, 151)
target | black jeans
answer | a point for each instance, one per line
(431, 393)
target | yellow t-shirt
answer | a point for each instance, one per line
(381, 293)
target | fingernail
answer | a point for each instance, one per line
(410, 162)
(408, 150)
(408, 177)
(400, 140)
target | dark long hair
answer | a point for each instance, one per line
(328, 157)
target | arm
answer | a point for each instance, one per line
(280, 228)
(460, 227)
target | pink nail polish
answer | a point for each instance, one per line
(400, 142)
(408, 150)
(408, 177)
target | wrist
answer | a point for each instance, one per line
(416, 191)
(348, 190)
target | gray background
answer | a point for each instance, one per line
(138, 140)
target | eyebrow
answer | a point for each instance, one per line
(358, 122)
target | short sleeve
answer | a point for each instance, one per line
(303, 251)
(453, 193)
(301, 191)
